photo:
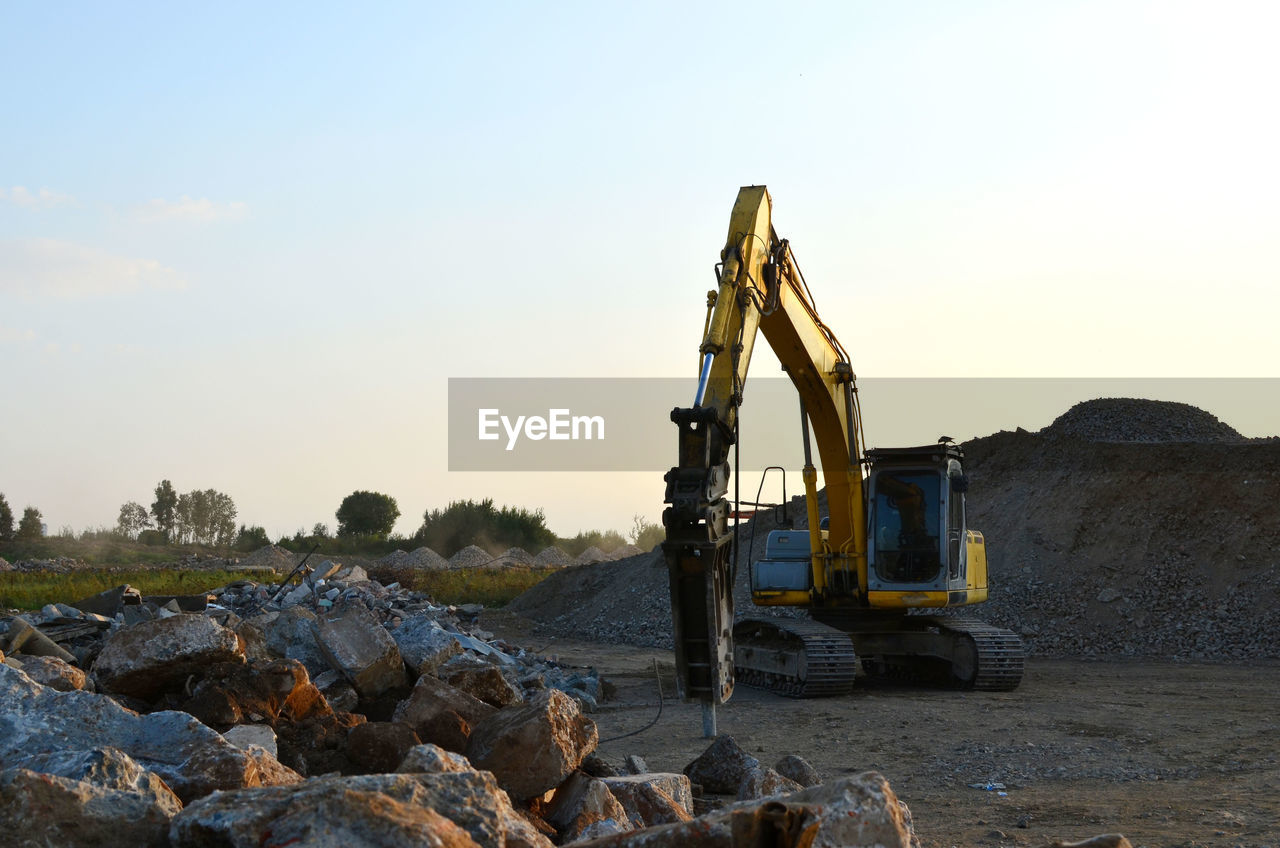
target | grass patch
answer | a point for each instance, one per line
(32, 590)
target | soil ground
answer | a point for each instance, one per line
(1169, 754)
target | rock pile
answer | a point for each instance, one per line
(1138, 420)
(269, 717)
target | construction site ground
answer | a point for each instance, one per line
(1167, 753)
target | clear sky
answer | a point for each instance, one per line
(244, 246)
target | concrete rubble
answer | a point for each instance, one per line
(356, 714)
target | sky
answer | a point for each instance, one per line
(245, 246)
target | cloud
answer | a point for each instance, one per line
(43, 267)
(189, 209)
(42, 199)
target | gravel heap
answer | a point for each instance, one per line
(1136, 420)
(625, 551)
(471, 556)
(553, 557)
(516, 556)
(592, 554)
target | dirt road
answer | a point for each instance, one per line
(1169, 754)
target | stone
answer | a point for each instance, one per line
(297, 595)
(721, 767)
(532, 748)
(379, 747)
(861, 811)
(254, 641)
(584, 808)
(317, 745)
(653, 799)
(425, 645)
(272, 690)
(597, 766)
(431, 697)
(351, 574)
(798, 769)
(340, 694)
(444, 809)
(764, 782)
(99, 797)
(1106, 840)
(482, 681)
(356, 644)
(191, 758)
(243, 736)
(432, 759)
(289, 635)
(323, 572)
(635, 764)
(448, 730)
(271, 770)
(150, 658)
(55, 673)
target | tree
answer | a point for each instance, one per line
(6, 521)
(164, 508)
(462, 523)
(133, 519)
(251, 538)
(646, 535)
(32, 524)
(367, 514)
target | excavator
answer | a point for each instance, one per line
(886, 548)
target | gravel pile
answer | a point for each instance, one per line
(516, 556)
(553, 557)
(1136, 420)
(624, 552)
(425, 558)
(472, 556)
(592, 554)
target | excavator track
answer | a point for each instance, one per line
(999, 654)
(951, 651)
(795, 657)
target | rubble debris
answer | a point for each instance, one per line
(764, 782)
(355, 643)
(55, 673)
(143, 660)
(653, 799)
(721, 767)
(481, 680)
(1140, 420)
(22, 638)
(98, 797)
(584, 808)
(798, 769)
(532, 748)
(424, 644)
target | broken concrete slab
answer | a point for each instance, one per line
(652, 799)
(369, 810)
(146, 659)
(22, 638)
(764, 782)
(425, 645)
(721, 767)
(110, 602)
(431, 697)
(191, 758)
(584, 808)
(356, 644)
(532, 748)
(55, 673)
(86, 798)
(481, 680)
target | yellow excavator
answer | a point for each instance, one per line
(890, 545)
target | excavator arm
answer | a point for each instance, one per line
(760, 290)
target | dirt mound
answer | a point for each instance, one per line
(270, 557)
(1109, 549)
(1137, 420)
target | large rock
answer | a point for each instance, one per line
(721, 768)
(356, 644)
(55, 673)
(482, 680)
(289, 635)
(145, 660)
(267, 691)
(368, 810)
(432, 698)
(762, 782)
(432, 759)
(584, 808)
(854, 812)
(798, 769)
(651, 799)
(425, 645)
(379, 747)
(531, 749)
(192, 758)
(318, 745)
(85, 798)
